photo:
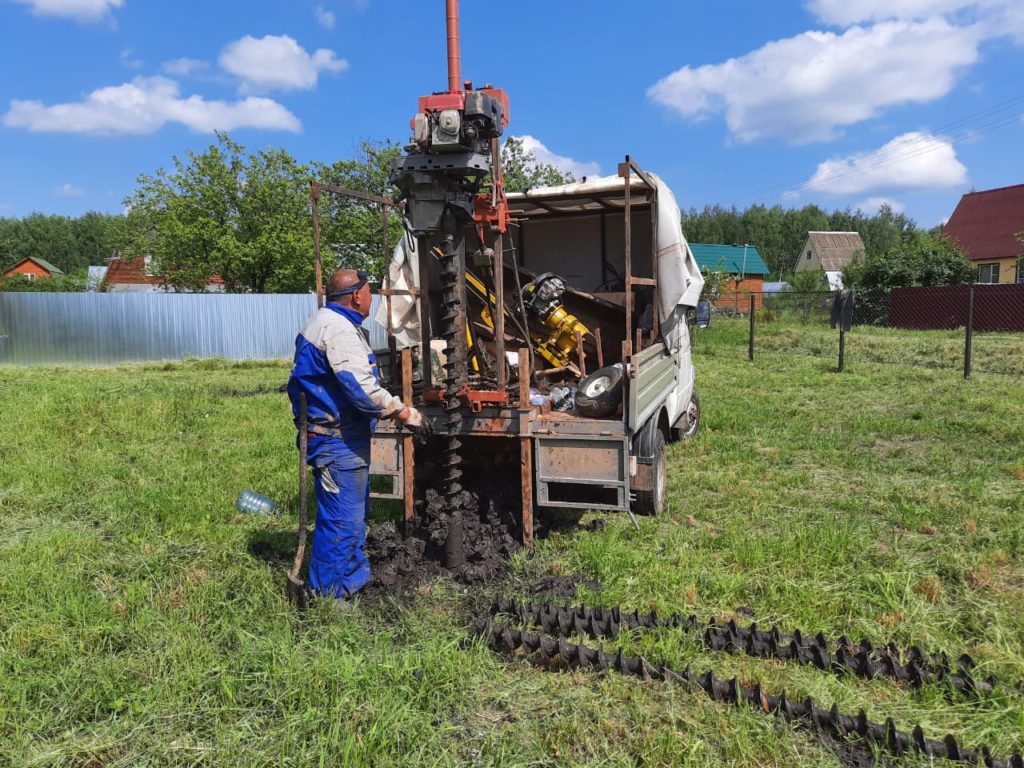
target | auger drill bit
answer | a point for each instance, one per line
(841, 656)
(555, 651)
(453, 324)
(454, 365)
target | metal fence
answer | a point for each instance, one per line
(965, 328)
(105, 328)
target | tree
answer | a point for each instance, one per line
(69, 244)
(222, 212)
(523, 171)
(352, 231)
(925, 259)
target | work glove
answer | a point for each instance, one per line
(418, 425)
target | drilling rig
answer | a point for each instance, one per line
(600, 280)
(453, 186)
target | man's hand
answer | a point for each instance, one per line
(415, 423)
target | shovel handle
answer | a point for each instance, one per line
(303, 484)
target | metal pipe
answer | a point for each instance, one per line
(454, 54)
(750, 346)
(969, 333)
(314, 204)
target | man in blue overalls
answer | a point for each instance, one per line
(337, 370)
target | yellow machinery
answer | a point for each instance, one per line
(561, 332)
(555, 333)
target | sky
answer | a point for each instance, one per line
(842, 103)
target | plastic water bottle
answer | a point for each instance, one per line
(251, 503)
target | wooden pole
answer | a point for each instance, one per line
(499, 312)
(408, 449)
(525, 447)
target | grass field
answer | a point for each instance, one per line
(1001, 353)
(142, 621)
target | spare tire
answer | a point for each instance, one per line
(600, 393)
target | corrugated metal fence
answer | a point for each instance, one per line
(104, 328)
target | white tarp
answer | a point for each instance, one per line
(679, 278)
(403, 275)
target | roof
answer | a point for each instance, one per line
(984, 224)
(595, 195)
(121, 272)
(43, 263)
(835, 249)
(729, 258)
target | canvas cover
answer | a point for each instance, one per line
(679, 278)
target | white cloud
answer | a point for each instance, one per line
(805, 88)
(873, 205)
(324, 17)
(184, 67)
(845, 13)
(542, 154)
(144, 106)
(67, 189)
(130, 60)
(80, 10)
(995, 14)
(915, 160)
(277, 62)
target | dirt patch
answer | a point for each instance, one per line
(432, 546)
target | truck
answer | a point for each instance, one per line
(630, 280)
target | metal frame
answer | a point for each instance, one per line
(535, 431)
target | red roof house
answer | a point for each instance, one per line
(134, 277)
(985, 226)
(33, 268)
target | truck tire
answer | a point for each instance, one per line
(689, 423)
(600, 393)
(651, 448)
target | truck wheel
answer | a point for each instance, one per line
(652, 502)
(690, 420)
(600, 393)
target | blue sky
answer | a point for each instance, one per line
(837, 102)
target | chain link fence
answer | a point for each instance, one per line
(963, 328)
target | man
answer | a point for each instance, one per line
(337, 371)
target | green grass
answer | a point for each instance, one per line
(1001, 353)
(138, 628)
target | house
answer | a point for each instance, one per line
(831, 253)
(134, 276)
(33, 269)
(743, 264)
(985, 226)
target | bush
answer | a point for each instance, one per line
(56, 284)
(926, 259)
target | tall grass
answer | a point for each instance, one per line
(143, 623)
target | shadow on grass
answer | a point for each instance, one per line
(275, 548)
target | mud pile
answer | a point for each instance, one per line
(432, 546)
